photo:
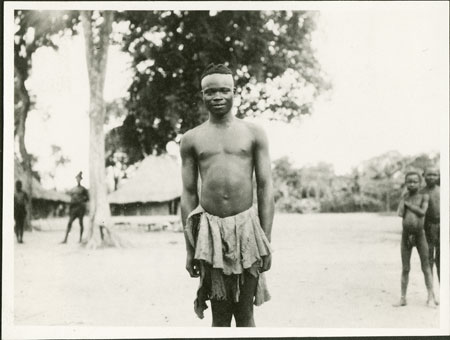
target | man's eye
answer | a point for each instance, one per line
(225, 90)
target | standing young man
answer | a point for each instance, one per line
(79, 196)
(227, 240)
(432, 218)
(20, 210)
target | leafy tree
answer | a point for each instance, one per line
(300, 190)
(318, 179)
(33, 29)
(270, 51)
(286, 177)
(59, 159)
(376, 185)
(422, 161)
(383, 176)
(384, 171)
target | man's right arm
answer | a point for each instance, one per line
(401, 205)
(419, 210)
(189, 196)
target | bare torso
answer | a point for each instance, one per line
(225, 160)
(20, 199)
(433, 211)
(79, 194)
(411, 221)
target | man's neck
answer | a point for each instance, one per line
(431, 186)
(222, 120)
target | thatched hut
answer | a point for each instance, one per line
(46, 203)
(154, 189)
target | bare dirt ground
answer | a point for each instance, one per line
(329, 271)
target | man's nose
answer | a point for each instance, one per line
(217, 97)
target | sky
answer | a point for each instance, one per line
(389, 70)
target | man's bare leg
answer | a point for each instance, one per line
(16, 230)
(81, 228)
(406, 258)
(431, 256)
(243, 310)
(422, 248)
(222, 313)
(69, 227)
(438, 262)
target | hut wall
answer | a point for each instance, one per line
(140, 209)
(45, 209)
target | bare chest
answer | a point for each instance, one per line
(224, 143)
(416, 199)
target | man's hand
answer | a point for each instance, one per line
(192, 266)
(266, 263)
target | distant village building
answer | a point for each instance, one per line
(46, 203)
(154, 189)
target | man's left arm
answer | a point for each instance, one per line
(264, 187)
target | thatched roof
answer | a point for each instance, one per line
(158, 179)
(38, 192)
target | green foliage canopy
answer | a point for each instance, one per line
(170, 50)
(375, 185)
(34, 29)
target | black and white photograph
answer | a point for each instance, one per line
(172, 168)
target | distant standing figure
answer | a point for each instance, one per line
(20, 211)
(432, 218)
(79, 196)
(412, 209)
(227, 239)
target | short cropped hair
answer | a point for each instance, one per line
(413, 173)
(431, 168)
(214, 69)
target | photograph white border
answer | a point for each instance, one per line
(10, 331)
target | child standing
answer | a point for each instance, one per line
(432, 218)
(412, 209)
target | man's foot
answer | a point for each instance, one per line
(64, 242)
(402, 303)
(432, 302)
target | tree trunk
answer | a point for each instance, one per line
(99, 233)
(20, 133)
(388, 201)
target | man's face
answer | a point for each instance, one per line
(431, 177)
(412, 183)
(218, 92)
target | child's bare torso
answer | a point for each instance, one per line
(20, 199)
(225, 161)
(433, 211)
(411, 221)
